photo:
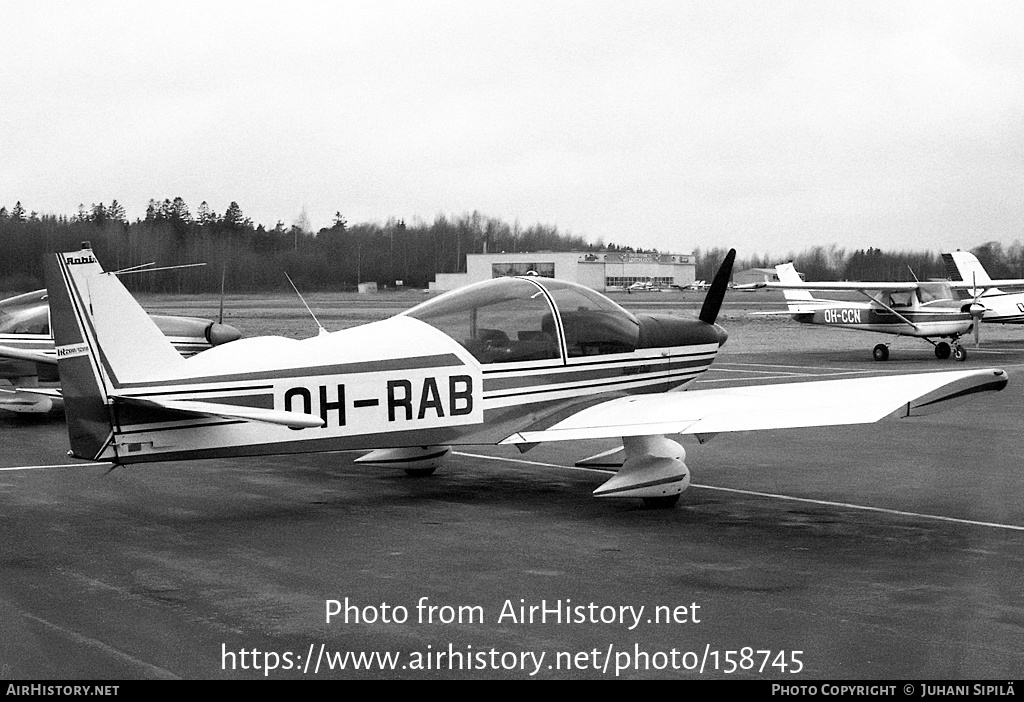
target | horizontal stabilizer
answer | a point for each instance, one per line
(776, 406)
(293, 420)
(793, 309)
(843, 285)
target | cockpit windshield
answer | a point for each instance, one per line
(512, 319)
(498, 320)
(592, 324)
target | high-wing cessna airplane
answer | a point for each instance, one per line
(1000, 307)
(27, 355)
(512, 361)
(924, 310)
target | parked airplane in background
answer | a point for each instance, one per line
(1000, 307)
(510, 361)
(696, 285)
(27, 355)
(924, 310)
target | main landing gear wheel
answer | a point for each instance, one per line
(420, 472)
(960, 353)
(942, 350)
(881, 352)
(664, 502)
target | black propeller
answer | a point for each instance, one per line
(716, 293)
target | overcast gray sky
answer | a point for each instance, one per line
(768, 126)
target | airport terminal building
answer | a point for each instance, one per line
(599, 270)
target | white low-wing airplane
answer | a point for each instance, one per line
(1000, 307)
(27, 355)
(508, 361)
(925, 310)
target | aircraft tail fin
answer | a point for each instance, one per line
(965, 266)
(788, 275)
(716, 293)
(103, 339)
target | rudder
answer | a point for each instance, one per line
(82, 386)
(104, 340)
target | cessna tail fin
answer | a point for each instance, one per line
(965, 266)
(788, 275)
(103, 339)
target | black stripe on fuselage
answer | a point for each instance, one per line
(664, 376)
(638, 368)
(384, 365)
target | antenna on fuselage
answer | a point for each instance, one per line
(147, 268)
(716, 293)
(322, 330)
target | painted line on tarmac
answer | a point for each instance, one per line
(61, 465)
(532, 463)
(754, 372)
(865, 508)
(770, 495)
(775, 365)
(75, 636)
(788, 376)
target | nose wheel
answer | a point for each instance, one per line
(943, 350)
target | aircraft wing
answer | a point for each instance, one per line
(294, 420)
(777, 406)
(988, 285)
(844, 285)
(24, 355)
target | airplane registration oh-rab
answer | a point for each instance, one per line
(512, 361)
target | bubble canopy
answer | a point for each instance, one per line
(531, 319)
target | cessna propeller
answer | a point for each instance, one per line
(976, 310)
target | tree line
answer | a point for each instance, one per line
(251, 257)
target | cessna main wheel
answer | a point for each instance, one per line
(960, 353)
(942, 350)
(881, 352)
